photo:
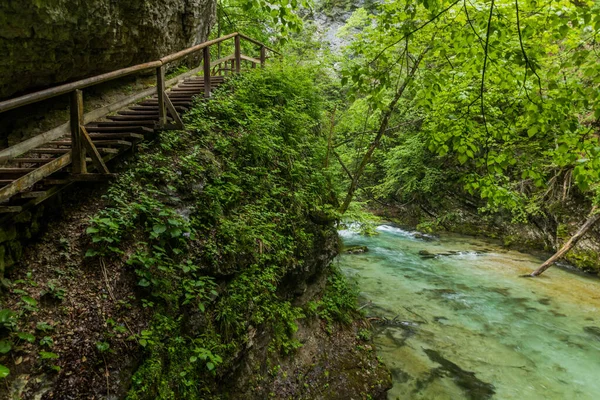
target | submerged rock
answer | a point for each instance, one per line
(475, 388)
(425, 254)
(593, 330)
(356, 249)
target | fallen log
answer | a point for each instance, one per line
(593, 217)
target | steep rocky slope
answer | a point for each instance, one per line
(45, 42)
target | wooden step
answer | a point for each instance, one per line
(140, 113)
(43, 150)
(189, 86)
(33, 160)
(154, 108)
(153, 117)
(65, 151)
(10, 209)
(97, 143)
(120, 135)
(30, 195)
(127, 123)
(115, 129)
(183, 95)
(201, 79)
(175, 103)
(16, 171)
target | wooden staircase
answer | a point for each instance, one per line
(42, 166)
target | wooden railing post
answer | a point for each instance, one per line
(238, 54)
(206, 52)
(263, 56)
(160, 92)
(77, 147)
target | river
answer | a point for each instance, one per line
(464, 325)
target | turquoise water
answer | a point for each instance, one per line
(464, 325)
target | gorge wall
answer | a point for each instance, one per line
(46, 42)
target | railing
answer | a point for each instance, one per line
(79, 138)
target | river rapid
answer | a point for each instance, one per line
(454, 320)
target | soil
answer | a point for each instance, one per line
(96, 304)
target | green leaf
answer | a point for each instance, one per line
(46, 355)
(159, 228)
(5, 346)
(4, 371)
(532, 131)
(29, 300)
(6, 315)
(91, 253)
(26, 336)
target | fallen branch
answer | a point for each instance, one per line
(110, 292)
(593, 217)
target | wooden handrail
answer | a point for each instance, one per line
(191, 50)
(69, 87)
(81, 84)
(256, 42)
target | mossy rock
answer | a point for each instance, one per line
(586, 260)
(356, 249)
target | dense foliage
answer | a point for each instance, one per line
(213, 220)
(499, 100)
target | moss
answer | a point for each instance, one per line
(586, 260)
(8, 233)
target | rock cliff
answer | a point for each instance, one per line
(46, 42)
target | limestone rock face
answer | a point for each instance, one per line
(46, 42)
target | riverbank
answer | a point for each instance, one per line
(463, 324)
(542, 236)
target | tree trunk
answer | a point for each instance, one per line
(593, 217)
(380, 132)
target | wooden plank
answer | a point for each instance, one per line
(16, 170)
(154, 108)
(220, 61)
(207, 66)
(76, 121)
(50, 182)
(152, 102)
(238, 54)
(62, 130)
(153, 117)
(174, 114)
(160, 89)
(94, 154)
(41, 150)
(29, 195)
(32, 160)
(107, 150)
(263, 56)
(256, 42)
(121, 135)
(25, 182)
(10, 209)
(252, 60)
(118, 129)
(191, 50)
(145, 122)
(140, 113)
